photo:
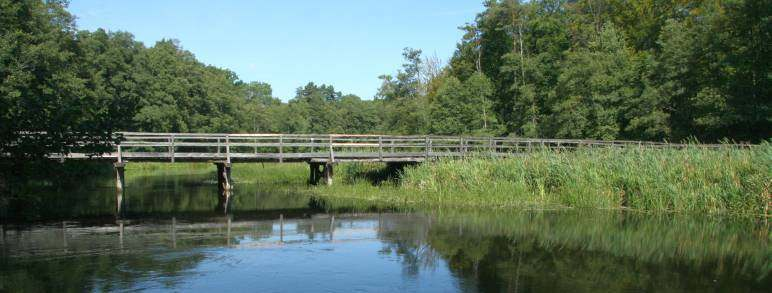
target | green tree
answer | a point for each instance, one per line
(260, 108)
(44, 89)
(463, 107)
(404, 98)
(592, 86)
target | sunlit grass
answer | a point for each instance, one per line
(723, 180)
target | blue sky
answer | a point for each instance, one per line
(288, 43)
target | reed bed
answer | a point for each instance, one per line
(724, 180)
(694, 179)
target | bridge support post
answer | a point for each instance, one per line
(224, 180)
(328, 174)
(314, 175)
(120, 180)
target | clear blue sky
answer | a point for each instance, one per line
(289, 43)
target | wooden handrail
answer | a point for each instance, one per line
(337, 147)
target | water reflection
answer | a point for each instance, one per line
(223, 201)
(175, 234)
(183, 195)
(472, 252)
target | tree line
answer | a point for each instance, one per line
(610, 69)
(602, 69)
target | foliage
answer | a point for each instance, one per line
(624, 69)
(47, 86)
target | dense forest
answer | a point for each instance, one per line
(603, 69)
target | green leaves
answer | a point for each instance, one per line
(596, 80)
(607, 69)
(463, 107)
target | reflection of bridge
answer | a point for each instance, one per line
(144, 233)
(321, 152)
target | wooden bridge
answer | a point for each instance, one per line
(321, 152)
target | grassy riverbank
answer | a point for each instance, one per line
(692, 180)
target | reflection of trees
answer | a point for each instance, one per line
(408, 241)
(576, 251)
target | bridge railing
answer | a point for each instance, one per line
(331, 147)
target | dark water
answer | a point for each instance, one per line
(176, 233)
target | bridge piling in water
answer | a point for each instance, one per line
(120, 168)
(224, 180)
(328, 174)
(315, 174)
(320, 171)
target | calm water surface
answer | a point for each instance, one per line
(172, 232)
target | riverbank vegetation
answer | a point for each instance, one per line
(691, 180)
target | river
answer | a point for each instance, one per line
(176, 232)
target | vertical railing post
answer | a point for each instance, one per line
(332, 153)
(171, 147)
(281, 148)
(426, 148)
(462, 146)
(255, 141)
(431, 142)
(380, 148)
(218, 145)
(490, 146)
(228, 148)
(120, 154)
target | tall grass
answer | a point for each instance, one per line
(694, 179)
